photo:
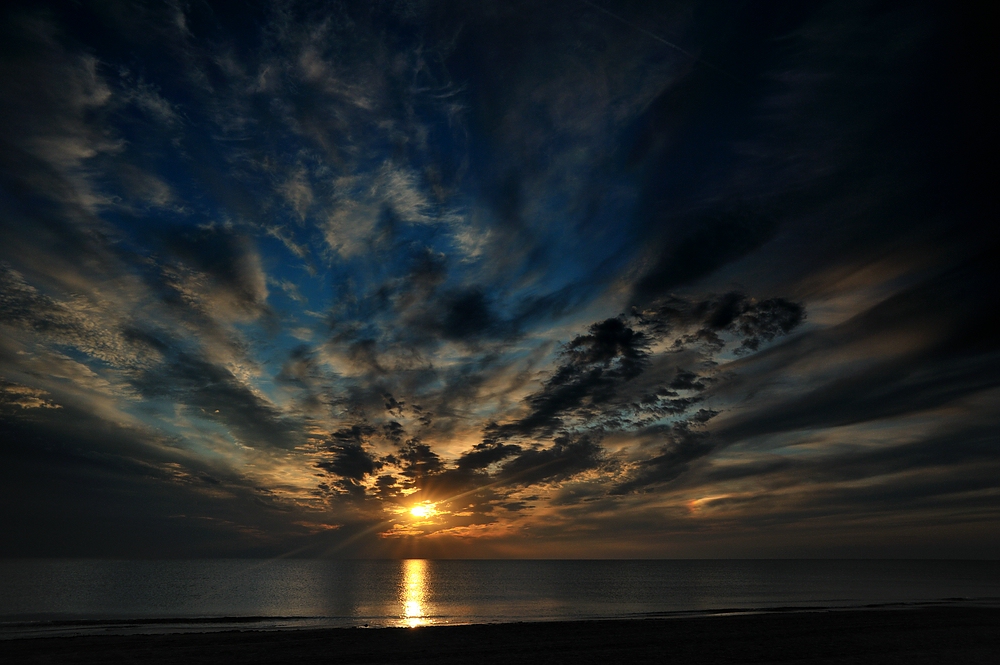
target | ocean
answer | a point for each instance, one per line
(59, 597)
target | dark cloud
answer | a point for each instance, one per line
(467, 316)
(418, 461)
(681, 446)
(594, 366)
(950, 363)
(393, 431)
(154, 498)
(566, 457)
(685, 380)
(349, 460)
(701, 321)
(702, 247)
(215, 392)
(300, 369)
(393, 406)
(274, 274)
(590, 391)
(482, 455)
(226, 258)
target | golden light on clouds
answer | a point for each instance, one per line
(695, 506)
(423, 510)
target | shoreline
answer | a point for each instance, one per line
(138, 626)
(941, 633)
(80, 627)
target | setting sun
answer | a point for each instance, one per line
(423, 510)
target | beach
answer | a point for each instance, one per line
(953, 634)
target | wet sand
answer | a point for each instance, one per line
(910, 636)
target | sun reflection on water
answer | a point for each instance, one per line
(413, 593)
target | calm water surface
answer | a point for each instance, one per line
(63, 596)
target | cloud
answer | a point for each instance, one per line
(594, 367)
(24, 397)
(567, 457)
(945, 363)
(218, 271)
(53, 95)
(89, 324)
(223, 397)
(681, 446)
(590, 394)
(349, 460)
(703, 246)
(483, 455)
(286, 270)
(467, 316)
(298, 193)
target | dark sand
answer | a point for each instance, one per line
(907, 636)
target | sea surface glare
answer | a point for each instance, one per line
(79, 596)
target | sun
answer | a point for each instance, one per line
(423, 510)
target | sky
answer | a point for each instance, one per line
(562, 279)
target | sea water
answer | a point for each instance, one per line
(78, 596)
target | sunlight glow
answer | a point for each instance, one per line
(423, 510)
